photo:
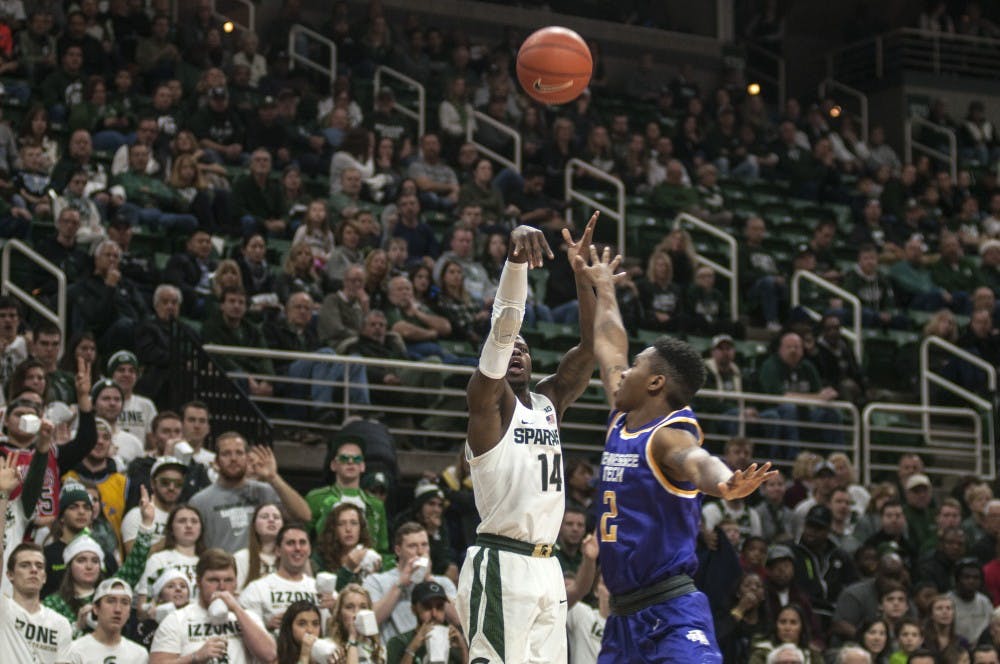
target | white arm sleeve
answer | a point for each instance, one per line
(508, 312)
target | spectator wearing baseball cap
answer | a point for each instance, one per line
(167, 480)
(429, 604)
(917, 499)
(822, 569)
(112, 607)
(137, 411)
(723, 374)
(428, 510)
(779, 589)
(824, 481)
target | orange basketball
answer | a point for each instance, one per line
(554, 65)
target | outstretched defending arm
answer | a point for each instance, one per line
(488, 391)
(577, 366)
(678, 451)
(610, 338)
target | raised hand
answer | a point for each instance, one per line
(590, 547)
(146, 508)
(574, 249)
(264, 464)
(528, 245)
(10, 478)
(83, 383)
(601, 268)
(744, 482)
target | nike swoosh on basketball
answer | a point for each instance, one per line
(545, 89)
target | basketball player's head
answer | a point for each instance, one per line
(519, 368)
(669, 370)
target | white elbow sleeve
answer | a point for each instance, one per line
(508, 312)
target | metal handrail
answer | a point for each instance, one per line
(420, 115)
(831, 83)
(928, 376)
(986, 470)
(514, 165)
(779, 78)
(854, 334)
(940, 42)
(58, 317)
(294, 56)
(570, 425)
(731, 272)
(251, 15)
(573, 194)
(911, 143)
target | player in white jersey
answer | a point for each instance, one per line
(512, 600)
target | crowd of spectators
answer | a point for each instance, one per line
(183, 176)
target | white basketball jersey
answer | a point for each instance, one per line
(519, 483)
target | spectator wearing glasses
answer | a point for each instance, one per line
(167, 481)
(345, 465)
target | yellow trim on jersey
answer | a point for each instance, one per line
(612, 425)
(658, 473)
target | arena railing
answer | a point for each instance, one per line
(853, 334)
(7, 285)
(299, 38)
(912, 49)
(831, 84)
(725, 413)
(194, 375)
(731, 272)
(513, 164)
(251, 11)
(950, 157)
(420, 113)
(578, 195)
(929, 376)
(949, 440)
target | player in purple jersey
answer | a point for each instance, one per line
(652, 472)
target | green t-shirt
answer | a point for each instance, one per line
(776, 377)
(398, 644)
(324, 499)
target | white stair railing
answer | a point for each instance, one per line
(731, 271)
(573, 194)
(420, 113)
(482, 118)
(929, 376)
(962, 449)
(862, 99)
(912, 144)
(301, 35)
(57, 317)
(853, 334)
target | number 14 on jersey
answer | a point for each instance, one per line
(551, 477)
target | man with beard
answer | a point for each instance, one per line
(268, 597)
(227, 506)
(515, 459)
